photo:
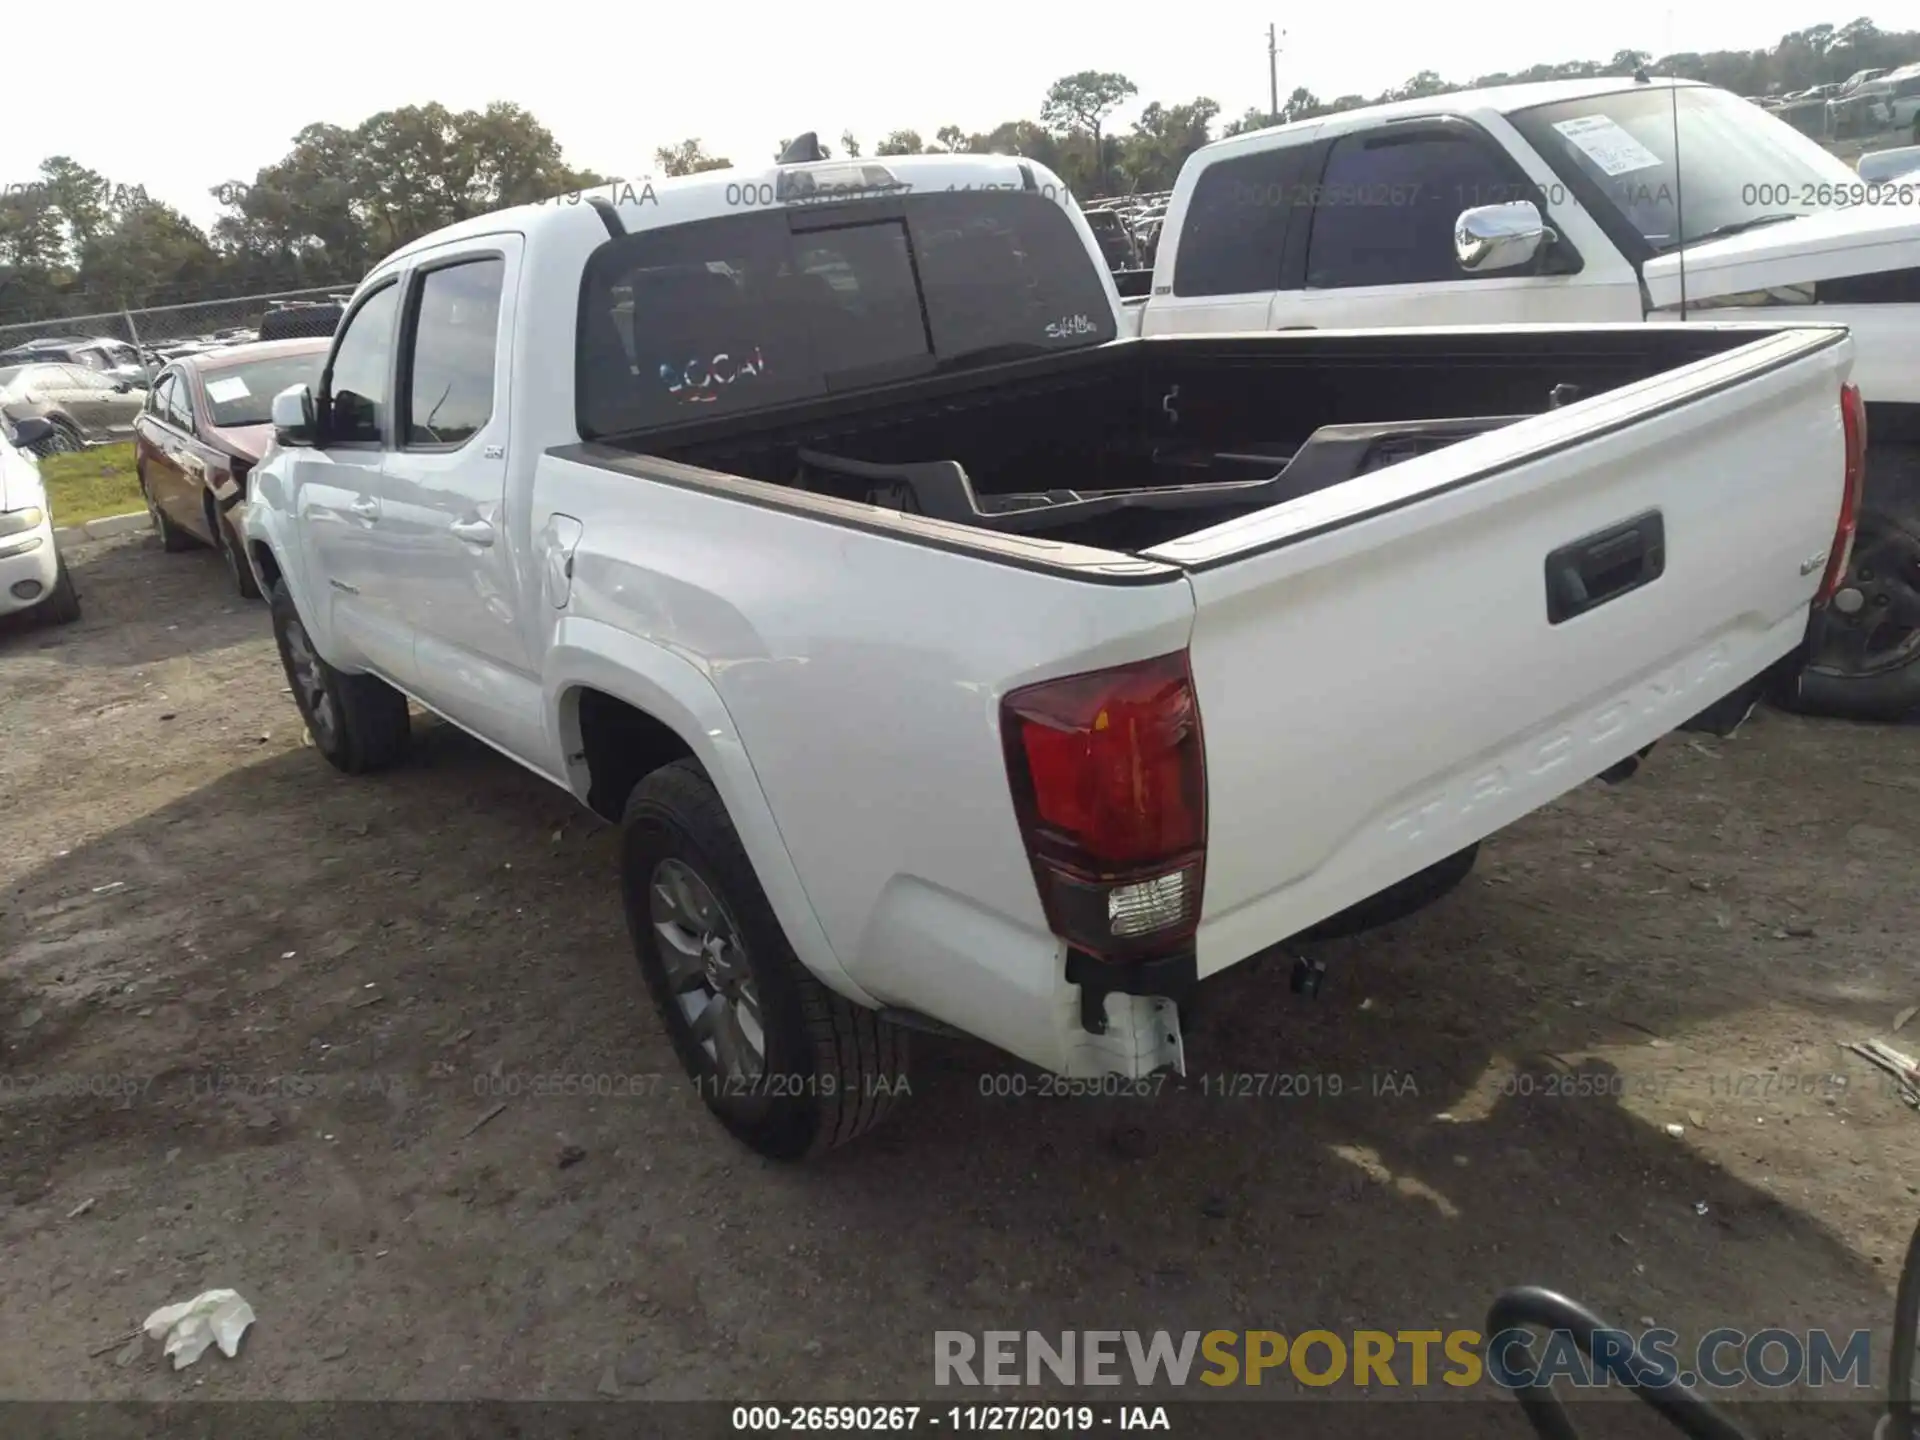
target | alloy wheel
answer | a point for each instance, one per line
(707, 970)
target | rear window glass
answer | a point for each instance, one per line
(243, 394)
(746, 311)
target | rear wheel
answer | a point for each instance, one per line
(789, 1067)
(1903, 1398)
(357, 721)
(1863, 662)
(64, 440)
(172, 538)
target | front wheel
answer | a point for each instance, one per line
(236, 557)
(786, 1065)
(62, 605)
(357, 721)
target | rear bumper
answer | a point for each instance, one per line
(28, 572)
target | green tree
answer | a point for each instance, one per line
(340, 198)
(950, 138)
(902, 142)
(1162, 138)
(849, 144)
(146, 251)
(689, 157)
(1252, 118)
(1418, 88)
(1302, 104)
(1082, 101)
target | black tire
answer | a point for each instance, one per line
(1397, 902)
(234, 554)
(1903, 1401)
(829, 1070)
(172, 538)
(358, 722)
(62, 605)
(65, 440)
(1865, 665)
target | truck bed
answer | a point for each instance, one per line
(1136, 443)
(1389, 663)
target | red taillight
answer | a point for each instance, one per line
(1109, 781)
(1853, 419)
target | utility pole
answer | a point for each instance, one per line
(1273, 72)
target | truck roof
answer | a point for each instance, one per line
(1494, 99)
(645, 202)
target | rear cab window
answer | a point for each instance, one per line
(742, 312)
(1235, 230)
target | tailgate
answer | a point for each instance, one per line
(1383, 677)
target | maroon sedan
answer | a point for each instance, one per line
(206, 423)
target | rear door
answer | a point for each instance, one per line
(162, 449)
(446, 483)
(1390, 670)
(1230, 255)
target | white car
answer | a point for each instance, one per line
(952, 664)
(33, 576)
(1571, 202)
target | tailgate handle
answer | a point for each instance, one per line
(1604, 566)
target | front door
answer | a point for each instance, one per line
(1380, 250)
(338, 489)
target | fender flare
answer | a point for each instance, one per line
(587, 654)
(264, 522)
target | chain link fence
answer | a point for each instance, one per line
(163, 331)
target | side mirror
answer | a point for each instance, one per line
(1499, 237)
(32, 432)
(293, 422)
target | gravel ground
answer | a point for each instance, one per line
(256, 1021)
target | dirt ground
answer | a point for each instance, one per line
(251, 1013)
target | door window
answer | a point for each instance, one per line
(450, 365)
(1385, 209)
(180, 404)
(359, 375)
(1236, 224)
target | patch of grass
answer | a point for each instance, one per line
(91, 483)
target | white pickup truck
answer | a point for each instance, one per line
(1584, 202)
(952, 664)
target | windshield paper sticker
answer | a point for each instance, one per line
(231, 388)
(1607, 145)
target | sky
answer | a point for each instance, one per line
(614, 82)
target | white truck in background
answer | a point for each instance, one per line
(1562, 203)
(953, 664)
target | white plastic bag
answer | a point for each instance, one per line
(215, 1317)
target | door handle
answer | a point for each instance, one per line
(365, 507)
(1603, 566)
(473, 532)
